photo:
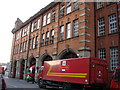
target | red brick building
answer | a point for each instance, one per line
(66, 30)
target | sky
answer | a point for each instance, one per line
(10, 10)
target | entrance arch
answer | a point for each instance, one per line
(32, 61)
(14, 69)
(46, 57)
(67, 53)
(22, 68)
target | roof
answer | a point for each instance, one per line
(42, 11)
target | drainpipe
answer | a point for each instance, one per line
(118, 32)
(95, 28)
(28, 47)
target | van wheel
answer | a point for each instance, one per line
(27, 80)
(66, 86)
(40, 83)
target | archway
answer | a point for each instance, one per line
(14, 69)
(46, 57)
(32, 61)
(22, 68)
(67, 53)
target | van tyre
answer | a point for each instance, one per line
(66, 86)
(27, 80)
(40, 83)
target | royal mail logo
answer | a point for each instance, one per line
(64, 66)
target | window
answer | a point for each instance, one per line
(35, 25)
(47, 38)
(18, 48)
(100, 5)
(114, 58)
(61, 32)
(28, 28)
(62, 10)
(43, 38)
(24, 32)
(33, 43)
(14, 49)
(101, 27)
(18, 35)
(75, 5)
(102, 53)
(112, 23)
(21, 47)
(44, 20)
(68, 30)
(53, 16)
(32, 27)
(52, 37)
(68, 9)
(38, 25)
(30, 43)
(109, 2)
(48, 18)
(37, 42)
(25, 45)
(75, 28)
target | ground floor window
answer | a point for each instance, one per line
(114, 58)
(102, 53)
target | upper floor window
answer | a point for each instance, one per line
(101, 27)
(47, 34)
(33, 43)
(68, 8)
(75, 28)
(35, 25)
(43, 36)
(15, 49)
(100, 5)
(43, 39)
(38, 23)
(62, 7)
(47, 38)
(102, 53)
(44, 20)
(112, 23)
(53, 16)
(48, 18)
(26, 45)
(68, 30)
(18, 35)
(61, 32)
(36, 42)
(52, 37)
(114, 58)
(21, 47)
(18, 48)
(76, 5)
(24, 32)
(109, 2)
